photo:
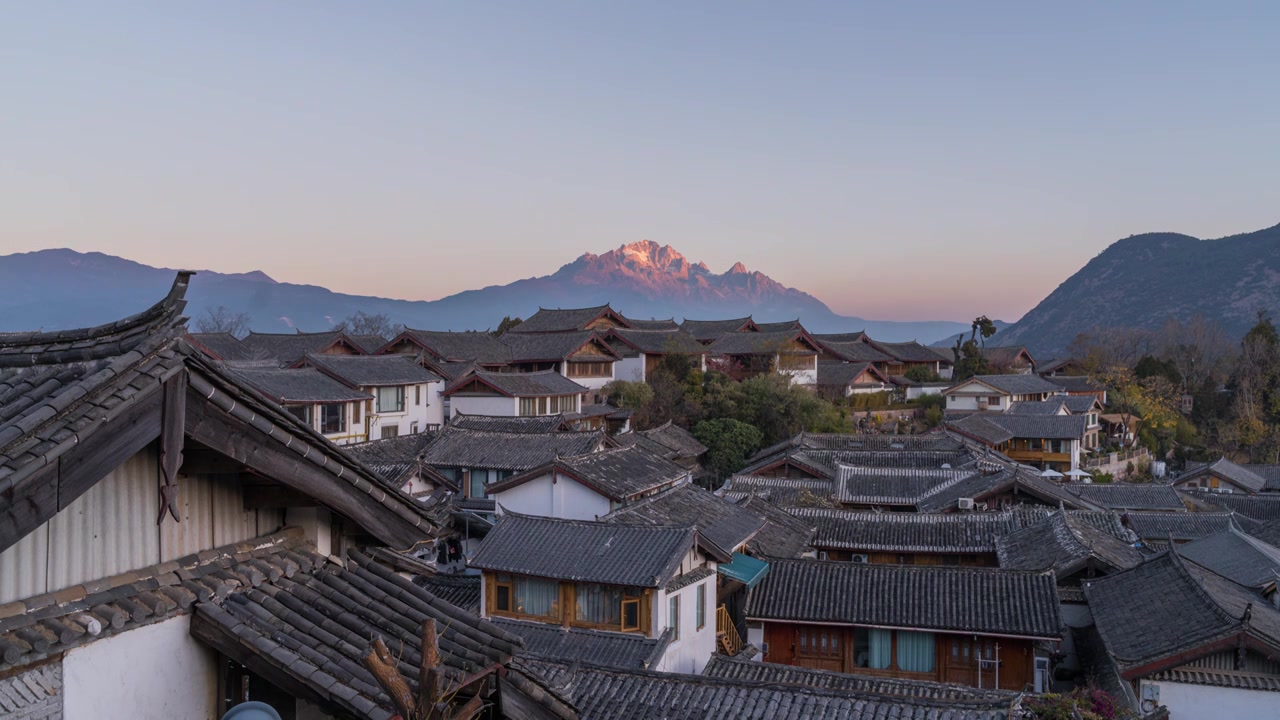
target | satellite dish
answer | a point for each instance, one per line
(252, 710)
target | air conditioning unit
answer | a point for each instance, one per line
(860, 559)
(965, 503)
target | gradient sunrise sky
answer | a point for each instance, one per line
(898, 160)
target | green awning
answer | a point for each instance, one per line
(745, 569)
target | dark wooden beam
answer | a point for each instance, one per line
(268, 497)
(204, 461)
(107, 448)
(28, 505)
(173, 418)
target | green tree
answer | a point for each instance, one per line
(922, 374)
(1255, 411)
(729, 443)
(507, 323)
(628, 394)
(969, 361)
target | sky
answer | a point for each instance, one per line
(900, 161)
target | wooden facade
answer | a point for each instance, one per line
(965, 659)
(635, 609)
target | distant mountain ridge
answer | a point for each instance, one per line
(1144, 280)
(61, 288)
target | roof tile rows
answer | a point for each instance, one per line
(725, 523)
(456, 447)
(906, 532)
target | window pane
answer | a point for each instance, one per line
(333, 418)
(879, 648)
(599, 604)
(477, 483)
(537, 597)
(915, 651)
(503, 599)
(630, 614)
(391, 399)
(673, 617)
(701, 611)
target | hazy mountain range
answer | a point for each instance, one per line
(54, 289)
(1144, 280)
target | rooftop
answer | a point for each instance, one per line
(1011, 384)
(288, 348)
(618, 474)
(1128, 496)
(555, 347)
(597, 647)
(868, 531)
(585, 551)
(723, 522)
(1236, 556)
(1064, 543)
(372, 370)
(557, 320)
(976, 600)
(462, 448)
(546, 383)
(300, 385)
(658, 342)
(762, 343)
(479, 347)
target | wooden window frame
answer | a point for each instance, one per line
(700, 610)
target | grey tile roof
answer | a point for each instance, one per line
(1005, 356)
(1128, 496)
(780, 491)
(555, 347)
(854, 351)
(619, 473)
(986, 485)
(299, 385)
(1078, 404)
(977, 600)
(369, 343)
(460, 590)
(860, 337)
(1065, 544)
(313, 628)
(1236, 556)
(597, 647)
(1264, 507)
(460, 448)
(723, 666)
(668, 324)
(611, 694)
(554, 320)
(1269, 473)
(826, 463)
(373, 370)
(1268, 533)
(863, 485)
(1168, 606)
(995, 428)
(1224, 468)
(709, 330)
(1158, 526)
(288, 348)
(721, 521)
(658, 342)
(221, 346)
(546, 383)
(906, 351)
(1108, 521)
(1241, 680)
(843, 374)
(474, 346)
(584, 551)
(519, 424)
(867, 531)
(1075, 384)
(1015, 384)
(760, 343)
(1052, 406)
(784, 326)
(399, 449)
(782, 536)
(676, 439)
(935, 441)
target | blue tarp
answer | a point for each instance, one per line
(745, 569)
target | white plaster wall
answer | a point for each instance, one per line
(564, 498)
(429, 411)
(433, 413)
(1197, 702)
(497, 405)
(691, 652)
(156, 671)
(962, 402)
(595, 383)
(629, 368)
(914, 392)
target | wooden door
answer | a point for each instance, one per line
(960, 661)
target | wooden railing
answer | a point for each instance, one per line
(727, 639)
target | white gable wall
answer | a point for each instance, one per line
(565, 498)
(1209, 701)
(497, 405)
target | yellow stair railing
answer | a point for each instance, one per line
(727, 638)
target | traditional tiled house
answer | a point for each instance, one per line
(972, 626)
(652, 324)
(1009, 360)
(220, 346)
(1048, 442)
(404, 395)
(1183, 637)
(708, 331)
(995, 393)
(1226, 476)
(172, 539)
(286, 349)
(1128, 496)
(642, 351)
(583, 357)
(967, 539)
(1264, 507)
(744, 354)
(1156, 528)
(587, 487)
(604, 576)
(601, 319)
(399, 461)
(514, 394)
(327, 406)
(842, 379)
(1239, 557)
(669, 441)
(481, 348)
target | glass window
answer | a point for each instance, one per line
(534, 596)
(599, 604)
(872, 648)
(673, 616)
(333, 418)
(630, 613)
(915, 651)
(417, 394)
(700, 612)
(478, 480)
(389, 431)
(302, 412)
(391, 399)
(528, 406)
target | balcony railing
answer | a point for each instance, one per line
(727, 639)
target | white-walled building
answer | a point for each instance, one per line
(322, 403)
(511, 394)
(744, 354)
(581, 356)
(587, 487)
(628, 580)
(643, 350)
(405, 395)
(995, 393)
